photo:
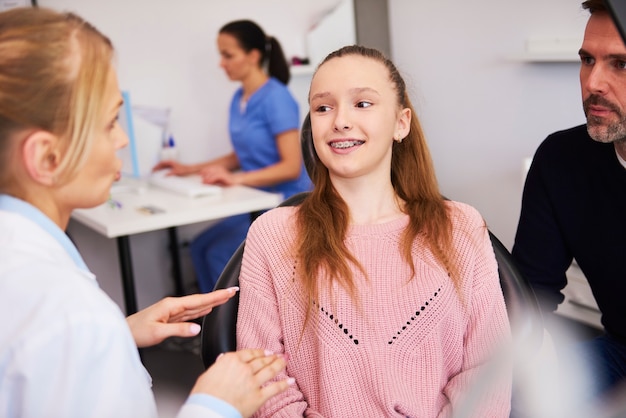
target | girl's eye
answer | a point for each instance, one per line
(363, 104)
(621, 65)
(322, 108)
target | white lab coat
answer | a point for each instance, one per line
(65, 348)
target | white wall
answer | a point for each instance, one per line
(167, 55)
(482, 111)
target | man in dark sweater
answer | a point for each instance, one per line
(574, 200)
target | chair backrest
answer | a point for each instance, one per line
(521, 303)
(219, 326)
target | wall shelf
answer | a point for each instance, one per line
(296, 70)
(562, 56)
(550, 50)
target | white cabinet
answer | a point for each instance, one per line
(579, 303)
(335, 30)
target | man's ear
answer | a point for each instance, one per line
(41, 156)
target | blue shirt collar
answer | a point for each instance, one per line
(12, 204)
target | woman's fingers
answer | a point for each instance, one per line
(241, 379)
(267, 366)
(275, 388)
(190, 307)
(249, 354)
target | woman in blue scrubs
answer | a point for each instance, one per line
(264, 126)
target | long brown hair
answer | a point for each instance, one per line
(323, 217)
(53, 72)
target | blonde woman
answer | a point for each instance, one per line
(66, 350)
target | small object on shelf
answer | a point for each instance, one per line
(295, 61)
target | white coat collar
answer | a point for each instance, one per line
(25, 210)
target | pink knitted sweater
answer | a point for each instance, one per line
(409, 348)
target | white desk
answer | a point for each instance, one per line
(121, 222)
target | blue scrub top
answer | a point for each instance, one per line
(270, 111)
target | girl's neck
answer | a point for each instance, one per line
(370, 203)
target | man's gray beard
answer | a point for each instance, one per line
(613, 132)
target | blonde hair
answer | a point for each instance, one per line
(323, 216)
(53, 72)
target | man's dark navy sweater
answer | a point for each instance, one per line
(574, 207)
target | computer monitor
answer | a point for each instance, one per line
(145, 128)
(128, 155)
(617, 8)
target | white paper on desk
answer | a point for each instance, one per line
(190, 186)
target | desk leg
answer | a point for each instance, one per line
(177, 270)
(128, 280)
